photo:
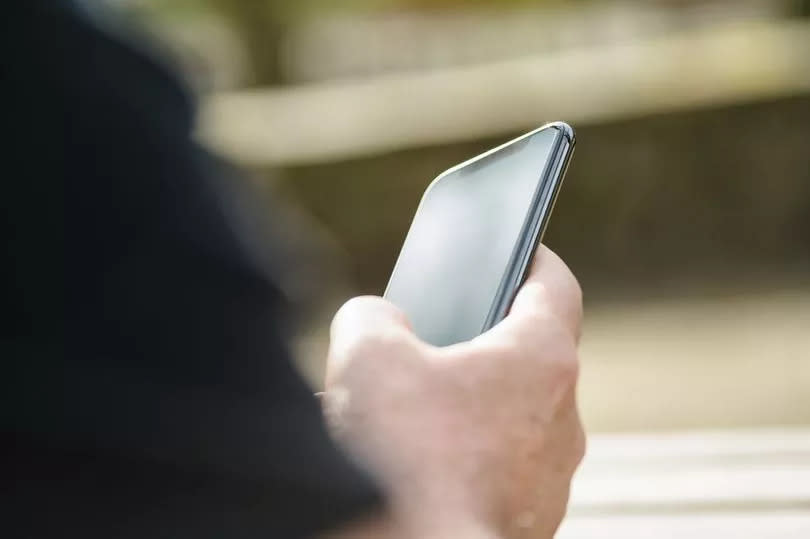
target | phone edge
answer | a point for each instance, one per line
(540, 215)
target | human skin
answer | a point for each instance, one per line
(478, 439)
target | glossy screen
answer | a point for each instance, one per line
(462, 240)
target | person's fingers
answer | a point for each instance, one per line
(550, 289)
(362, 321)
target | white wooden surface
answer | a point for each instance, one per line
(700, 484)
(776, 524)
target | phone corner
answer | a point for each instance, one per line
(567, 131)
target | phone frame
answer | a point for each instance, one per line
(537, 217)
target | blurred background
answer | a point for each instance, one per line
(685, 213)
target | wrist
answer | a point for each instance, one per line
(385, 525)
(440, 519)
(463, 529)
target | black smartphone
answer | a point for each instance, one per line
(471, 242)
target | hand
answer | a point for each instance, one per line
(476, 439)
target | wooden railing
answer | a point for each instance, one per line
(332, 121)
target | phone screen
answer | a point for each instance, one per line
(463, 237)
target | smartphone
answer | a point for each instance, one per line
(472, 239)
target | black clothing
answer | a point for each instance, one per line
(147, 390)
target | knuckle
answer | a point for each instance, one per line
(574, 288)
(368, 356)
(540, 327)
(577, 297)
(560, 310)
(355, 305)
(542, 336)
(580, 445)
(381, 342)
(351, 304)
(571, 308)
(565, 364)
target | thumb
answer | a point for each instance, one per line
(361, 321)
(550, 288)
